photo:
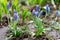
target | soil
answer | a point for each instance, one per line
(27, 37)
(3, 33)
(41, 38)
(21, 24)
(0, 24)
(21, 37)
(54, 34)
(4, 21)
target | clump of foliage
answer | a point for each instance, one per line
(31, 2)
(25, 13)
(0, 13)
(15, 32)
(3, 4)
(38, 26)
(15, 5)
(57, 1)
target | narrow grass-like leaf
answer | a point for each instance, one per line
(39, 27)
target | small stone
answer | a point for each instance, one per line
(25, 39)
(58, 39)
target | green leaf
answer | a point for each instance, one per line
(33, 2)
(16, 33)
(59, 7)
(39, 2)
(39, 28)
(4, 2)
(13, 25)
(53, 3)
(24, 14)
(14, 2)
(29, 15)
(0, 14)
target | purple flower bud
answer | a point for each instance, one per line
(33, 12)
(8, 5)
(56, 13)
(47, 8)
(37, 7)
(36, 13)
(41, 13)
(15, 11)
(15, 15)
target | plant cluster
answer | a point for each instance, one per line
(18, 12)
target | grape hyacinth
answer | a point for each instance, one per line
(56, 13)
(8, 5)
(47, 8)
(33, 12)
(37, 7)
(41, 13)
(15, 15)
(36, 13)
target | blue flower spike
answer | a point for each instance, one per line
(56, 13)
(41, 13)
(33, 12)
(8, 5)
(36, 13)
(47, 9)
(15, 15)
(37, 7)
